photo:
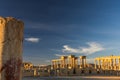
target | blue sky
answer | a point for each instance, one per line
(63, 27)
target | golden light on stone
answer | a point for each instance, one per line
(108, 63)
(69, 65)
(11, 39)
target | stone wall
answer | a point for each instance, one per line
(11, 39)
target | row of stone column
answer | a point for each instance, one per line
(69, 62)
(108, 63)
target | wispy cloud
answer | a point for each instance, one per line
(56, 50)
(32, 39)
(47, 61)
(59, 55)
(92, 48)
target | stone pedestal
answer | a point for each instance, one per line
(11, 39)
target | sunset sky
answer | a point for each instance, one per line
(63, 27)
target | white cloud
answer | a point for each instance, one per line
(69, 49)
(47, 61)
(92, 48)
(32, 39)
(59, 55)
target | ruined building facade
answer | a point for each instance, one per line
(69, 65)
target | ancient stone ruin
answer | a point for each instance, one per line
(11, 42)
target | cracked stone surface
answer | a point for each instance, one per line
(11, 43)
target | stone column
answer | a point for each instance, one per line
(107, 64)
(11, 39)
(55, 64)
(84, 62)
(99, 63)
(114, 63)
(69, 62)
(64, 63)
(76, 62)
(119, 63)
(111, 63)
(52, 64)
(61, 65)
(80, 62)
(73, 62)
(95, 64)
(103, 61)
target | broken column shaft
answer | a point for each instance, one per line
(11, 39)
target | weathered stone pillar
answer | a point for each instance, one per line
(95, 64)
(76, 62)
(11, 39)
(83, 61)
(69, 59)
(99, 63)
(111, 64)
(52, 64)
(63, 61)
(73, 62)
(119, 63)
(102, 64)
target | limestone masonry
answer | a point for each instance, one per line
(11, 39)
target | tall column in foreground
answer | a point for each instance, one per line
(11, 39)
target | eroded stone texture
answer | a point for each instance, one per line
(11, 39)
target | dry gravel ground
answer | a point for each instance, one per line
(74, 78)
